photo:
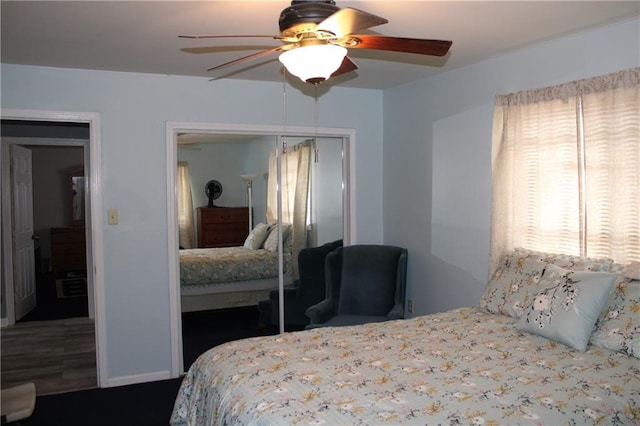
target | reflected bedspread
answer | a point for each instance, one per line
(226, 264)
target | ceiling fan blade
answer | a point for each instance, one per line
(349, 20)
(346, 66)
(397, 44)
(228, 36)
(249, 57)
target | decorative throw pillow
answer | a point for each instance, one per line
(256, 237)
(619, 323)
(567, 305)
(524, 285)
(271, 243)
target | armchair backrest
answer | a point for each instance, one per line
(312, 273)
(367, 279)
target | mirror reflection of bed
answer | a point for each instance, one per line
(223, 275)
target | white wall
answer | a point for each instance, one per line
(437, 156)
(133, 112)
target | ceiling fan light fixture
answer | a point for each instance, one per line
(314, 63)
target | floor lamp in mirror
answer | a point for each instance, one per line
(249, 178)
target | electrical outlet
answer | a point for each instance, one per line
(410, 306)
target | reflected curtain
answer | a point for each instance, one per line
(566, 169)
(186, 228)
(295, 165)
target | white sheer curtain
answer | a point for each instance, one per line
(295, 164)
(186, 228)
(566, 169)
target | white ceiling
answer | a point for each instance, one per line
(142, 36)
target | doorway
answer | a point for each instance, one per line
(89, 154)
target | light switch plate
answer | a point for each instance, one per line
(113, 216)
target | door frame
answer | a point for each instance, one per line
(173, 128)
(93, 222)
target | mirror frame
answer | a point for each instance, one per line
(172, 131)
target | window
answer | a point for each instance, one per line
(566, 169)
(186, 228)
(295, 165)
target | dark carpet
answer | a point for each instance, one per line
(203, 330)
(148, 404)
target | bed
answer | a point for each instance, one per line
(224, 277)
(471, 365)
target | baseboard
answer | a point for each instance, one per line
(138, 378)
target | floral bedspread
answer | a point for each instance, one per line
(464, 366)
(226, 264)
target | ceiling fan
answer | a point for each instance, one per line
(316, 35)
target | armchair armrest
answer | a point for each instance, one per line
(320, 312)
(397, 312)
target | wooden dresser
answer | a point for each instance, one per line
(222, 226)
(68, 249)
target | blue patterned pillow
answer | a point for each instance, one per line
(634, 344)
(516, 280)
(567, 305)
(619, 324)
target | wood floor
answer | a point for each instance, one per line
(58, 356)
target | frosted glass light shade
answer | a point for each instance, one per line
(313, 63)
(249, 177)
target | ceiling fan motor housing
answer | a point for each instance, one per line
(303, 12)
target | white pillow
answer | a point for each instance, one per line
(567, 305)
(271, 243)
(256, 237)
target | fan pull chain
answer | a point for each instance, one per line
(284, 111)
(315, 122)
(279, 203)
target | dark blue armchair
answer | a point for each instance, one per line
(364, 283)
(306, 290)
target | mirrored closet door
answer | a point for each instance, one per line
(245, 208)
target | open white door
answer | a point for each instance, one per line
(24, 273)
